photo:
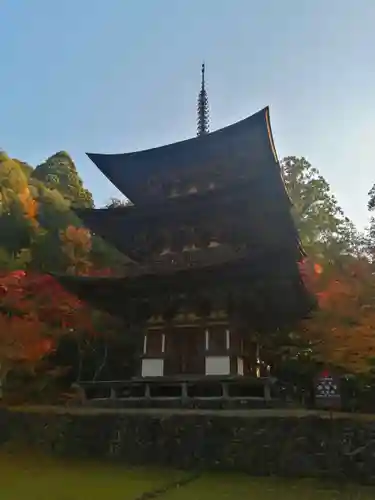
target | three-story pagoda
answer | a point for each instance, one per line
(213, 247)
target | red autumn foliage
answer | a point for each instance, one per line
(34, 311)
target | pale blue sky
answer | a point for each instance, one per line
(120, 75)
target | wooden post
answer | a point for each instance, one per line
(147, 391)
(224, 390)
(267, 390)
(184, 392)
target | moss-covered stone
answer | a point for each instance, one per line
(308, 445)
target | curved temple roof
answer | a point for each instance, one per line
(117, 294)
(249, 140)
(121, 226)
(123, 296)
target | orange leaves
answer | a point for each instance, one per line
(344, 326)
(318, 269)
(77, 235)
(30, 206)
(336, 295)
(21, 338)
(76, 246)
(310, 273)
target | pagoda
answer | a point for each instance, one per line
(214, 253)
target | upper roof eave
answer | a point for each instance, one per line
(128, 170)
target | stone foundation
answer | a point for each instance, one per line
(264, 442)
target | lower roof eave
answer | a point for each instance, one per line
(114, 296)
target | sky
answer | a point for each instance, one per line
(117, 76)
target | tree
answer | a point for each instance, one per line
(39, 230)
(39, 234)
(76, 246)
(18, 209)
(371, 201)
(21, 330)
(342, 329)
(30, 295)
(54, 211)
(54, 218)
(370, 231)
(59, 172)
(324, 230)
(21, 339)
(35, 309)
(36, 313)
(25, 167)
(11, 175)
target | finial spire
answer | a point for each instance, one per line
(202, 108)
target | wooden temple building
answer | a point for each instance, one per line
(213, 247)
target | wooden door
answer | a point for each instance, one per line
(193, 352)
(173, 359)
(185, 351)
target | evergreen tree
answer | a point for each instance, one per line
(325, 232)
(59, 172)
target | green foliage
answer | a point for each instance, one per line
(12, 176)
(9, 262)
(36, 212)
(371, 201)
(16, 226)
(59, 173)
(324, 230)
(104, 255)
(25, 167)
(370, 231)
(54, 211)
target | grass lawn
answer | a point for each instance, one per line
(232, 487)
(41, 478)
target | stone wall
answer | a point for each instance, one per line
(261, 442)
